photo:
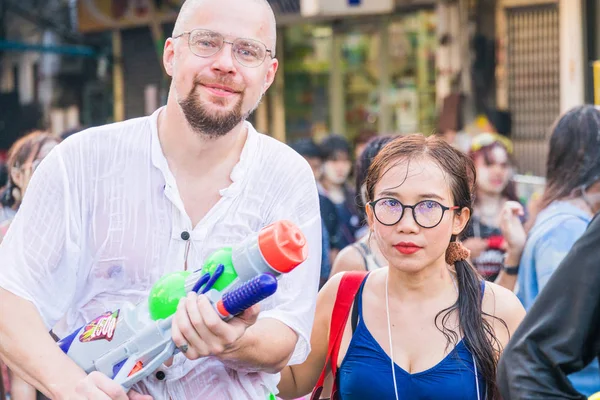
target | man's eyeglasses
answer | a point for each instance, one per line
(248, 52)
(427, 213)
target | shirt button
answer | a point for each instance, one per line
(185, 235)
(160, 375)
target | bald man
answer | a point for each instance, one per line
(116, 207)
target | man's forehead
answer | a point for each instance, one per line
(231, 18)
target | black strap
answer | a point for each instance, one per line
(354, 320)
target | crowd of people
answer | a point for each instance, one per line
(426, 269)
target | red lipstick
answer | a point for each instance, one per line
(407, 247)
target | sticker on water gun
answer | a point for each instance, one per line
(102, 327)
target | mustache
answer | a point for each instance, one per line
(223, 81)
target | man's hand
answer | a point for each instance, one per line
(98, 386)
(198, 331)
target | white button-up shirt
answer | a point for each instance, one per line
(102, 221)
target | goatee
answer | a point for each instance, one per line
(209, 124)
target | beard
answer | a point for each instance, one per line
(212, 124)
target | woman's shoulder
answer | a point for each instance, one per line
(503, 304)
(350, 258)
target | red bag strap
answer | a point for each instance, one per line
(349, 285)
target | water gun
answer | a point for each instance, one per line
(132, 342)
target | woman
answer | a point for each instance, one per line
(491, 252)
(427, 326)
(364, 254)
(23, 158)
(337, 166)
(570, 200)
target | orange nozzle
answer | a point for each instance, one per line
(138, 366)
(283, 246)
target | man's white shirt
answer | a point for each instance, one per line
(102, 221)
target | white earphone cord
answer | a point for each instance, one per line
(387, 309)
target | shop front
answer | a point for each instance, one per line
(373, 74)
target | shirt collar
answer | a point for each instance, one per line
(238, 173)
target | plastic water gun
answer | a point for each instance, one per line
(132, 342)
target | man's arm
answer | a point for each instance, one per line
(38, 279)
(561, 333)
(31, 352)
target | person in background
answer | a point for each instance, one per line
(337, 167)
(364, 254)
(559, 335)
(311, 152)
(491, 251)
(24, 157)
(361, 141)
(72, 131)
(567, 207)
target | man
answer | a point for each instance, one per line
(561, 332)
(113, 208)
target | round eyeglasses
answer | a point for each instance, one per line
(248, 52)
(427, 213)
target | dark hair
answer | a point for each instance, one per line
(479, 336)
(306, 147)
(574, 156)
(25, 149)
(510, 191)
(363, 163)
(3, 174)
(333, 144)
(364, 137)
(71, 132)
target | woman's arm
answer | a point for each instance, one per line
(508, 311)
(299, 380)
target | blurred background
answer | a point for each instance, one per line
(349, 67)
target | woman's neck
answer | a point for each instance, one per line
(335, 192)
(580, 203)
(330, 186)
(422, 285)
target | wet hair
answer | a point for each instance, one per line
(307, 147)
(25, 149)
(478, 334)
(334, 144)
(574, 154)
(510, 190)
(363, 163)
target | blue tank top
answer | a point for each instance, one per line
(365, 372)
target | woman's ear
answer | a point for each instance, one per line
(460, 221)
(370, 216)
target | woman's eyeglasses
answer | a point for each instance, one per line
(427, 213)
